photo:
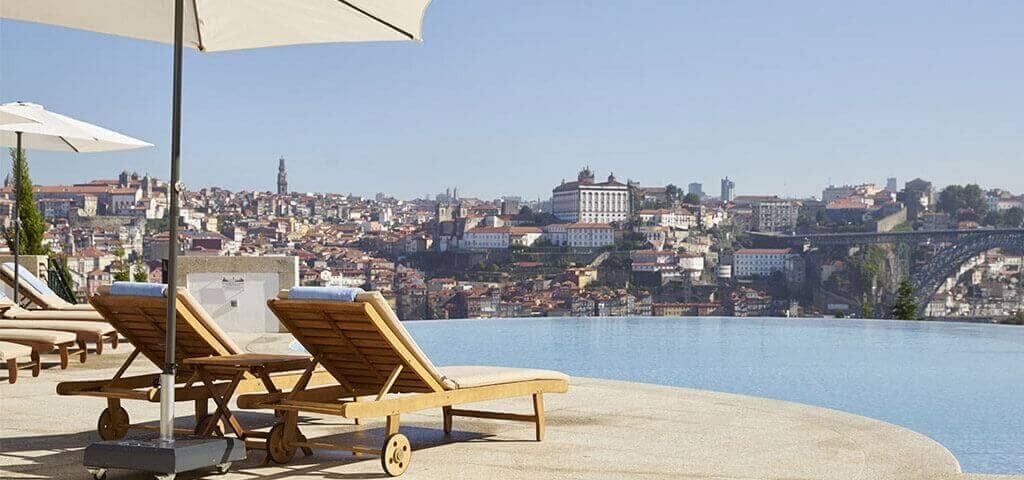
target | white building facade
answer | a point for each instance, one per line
(752, 262)
(589, 235)
(586, 201)
(483, 238)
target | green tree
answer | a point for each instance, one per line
(157, 225)
(967, 202)
(33, 226)
(673, 194)
(866, 311)
(140, 273)
(1012, 218)
(992, 218)
(905, 306)
(120, 267)
(691, 199)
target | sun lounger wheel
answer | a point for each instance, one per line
(395, 455)
(98, 473)
(206, 420)
(276, 448)
(113, 423)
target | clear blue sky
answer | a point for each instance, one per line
(784, 97)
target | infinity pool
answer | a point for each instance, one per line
(960, 384)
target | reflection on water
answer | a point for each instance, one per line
(960, 384)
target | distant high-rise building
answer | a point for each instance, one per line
(728, 190)
(696, 189)
(282, 178)
(891, 185)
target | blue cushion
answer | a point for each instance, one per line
(35, 282)
(138, 289)
(338, 294)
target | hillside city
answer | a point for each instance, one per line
(601, 245)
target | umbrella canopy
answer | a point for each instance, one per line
(46, 130)
(217, 25)
(12, 118)
(56, 132)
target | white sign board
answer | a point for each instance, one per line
(237, 301)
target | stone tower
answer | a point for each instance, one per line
(282, 178)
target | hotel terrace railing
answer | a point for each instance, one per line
(55, 279)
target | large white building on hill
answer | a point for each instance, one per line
(585, 201)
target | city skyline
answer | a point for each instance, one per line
(281, 186)
(661, 94)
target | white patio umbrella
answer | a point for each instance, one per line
(6, 118)
(45, 130)
(218, 25)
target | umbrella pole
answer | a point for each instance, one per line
(18, 152)
(167, 378)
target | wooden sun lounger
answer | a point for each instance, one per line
(16, 312)
(10, 353)
(87, 332)
(37, 291)
(141, 319)
(46, 341)
(370, 354)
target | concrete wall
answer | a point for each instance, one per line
(33, 263)
(104, 221)
(891, 221)
(235, 290)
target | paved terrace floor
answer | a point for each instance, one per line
(602, 429)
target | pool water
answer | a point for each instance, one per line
(960, 384)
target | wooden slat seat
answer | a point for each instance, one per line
(367, 351)
(142, 320)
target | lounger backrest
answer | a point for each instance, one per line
(5, 301)
(355, 343)
(141, 317)
(32, 287)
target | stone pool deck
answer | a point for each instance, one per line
(601, 429)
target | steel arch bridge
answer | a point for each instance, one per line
(960, 246)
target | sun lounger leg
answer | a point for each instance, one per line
(202, 409)
(63, 356)
(391, 425)
(37, 364)
(447, 411)
(12, 370)
(99, 345)
(538, 411)
(83, 351)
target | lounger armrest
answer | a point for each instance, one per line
(136, 381)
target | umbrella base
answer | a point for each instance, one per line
(164, 459)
